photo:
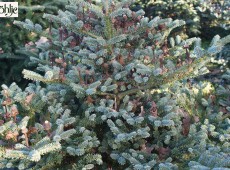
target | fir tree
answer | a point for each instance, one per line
(205, 17)
(95, 102)
(12, 38)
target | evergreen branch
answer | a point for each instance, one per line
(81, 31)
(105, 94)
(156, 82)
(32, 8)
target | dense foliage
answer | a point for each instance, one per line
(113, 90)
(12, 38)
(205, 17)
